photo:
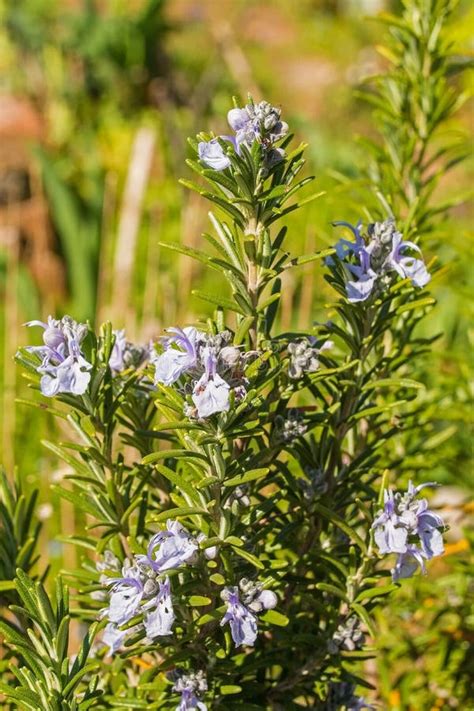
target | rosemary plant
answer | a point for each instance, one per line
(232, 481)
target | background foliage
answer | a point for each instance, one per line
(113, 81)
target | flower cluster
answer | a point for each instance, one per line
(370, 262)
(142, 589)
(290, 426)
(243, 604)
(191, 686)
(342, 696)
(126, 354)
(214, 366)
(315, 484)
(348, 636)
(255, 122)
(407, 527)
(64, 368)
(304, 356)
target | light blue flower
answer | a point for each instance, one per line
(191, 686)
(263, 123)
(373, 259)
(407, 266)
(173, 362)
(360, 289)
(64, 368)
(170, 548)
(211, 392)
(238, 119)
(116, 360)
(213, 155)
(243, 624)
(345, 248)
(254, 122)
(126, 596)
(159, 622)
(113, 637)
(408, 562)
(390, 535)
(190, 702)
(408, 527)
(427, 528)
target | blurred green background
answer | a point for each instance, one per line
(96, 101)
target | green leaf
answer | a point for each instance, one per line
(376, 592)
(273, 617)
(248, 557)
(220, 301)
(243, 329)
(393, 383)
(7, 585)
(333, 590)
(78, 499)
(365, 617)
(337, 521)
(418, 304)
(179, 511)
(199, 601)
(173, 454)
(307, 258)
(217, 578)
(248, 476)
(377, 410)
(228, 689)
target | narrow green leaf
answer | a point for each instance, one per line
(248, 557)
(273, 617)
(199, 601)
(179, 511)
(248, 476)
(337, 521)
(376, 592)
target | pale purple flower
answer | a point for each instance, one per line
(265, 600)
(390, 535)
(372, 260)
(348, 636)
(265, 122)
(243, 624)
(260, 122)
(255, 597)
(116, 360)
(64, 368)
(406, 526)
(113, 637)
(190, 702)
(408, 562)
(211, 551)
(126, 354)
(213, 155)
(191, 686)
(211, 392)
(170, 548)
(344, 247)
(159, 622)
(341, 694)
(360, 289)
(304, 357)
(238, 119)
(173, 362)
(408, 267)
(126, 596)
(427, 528)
